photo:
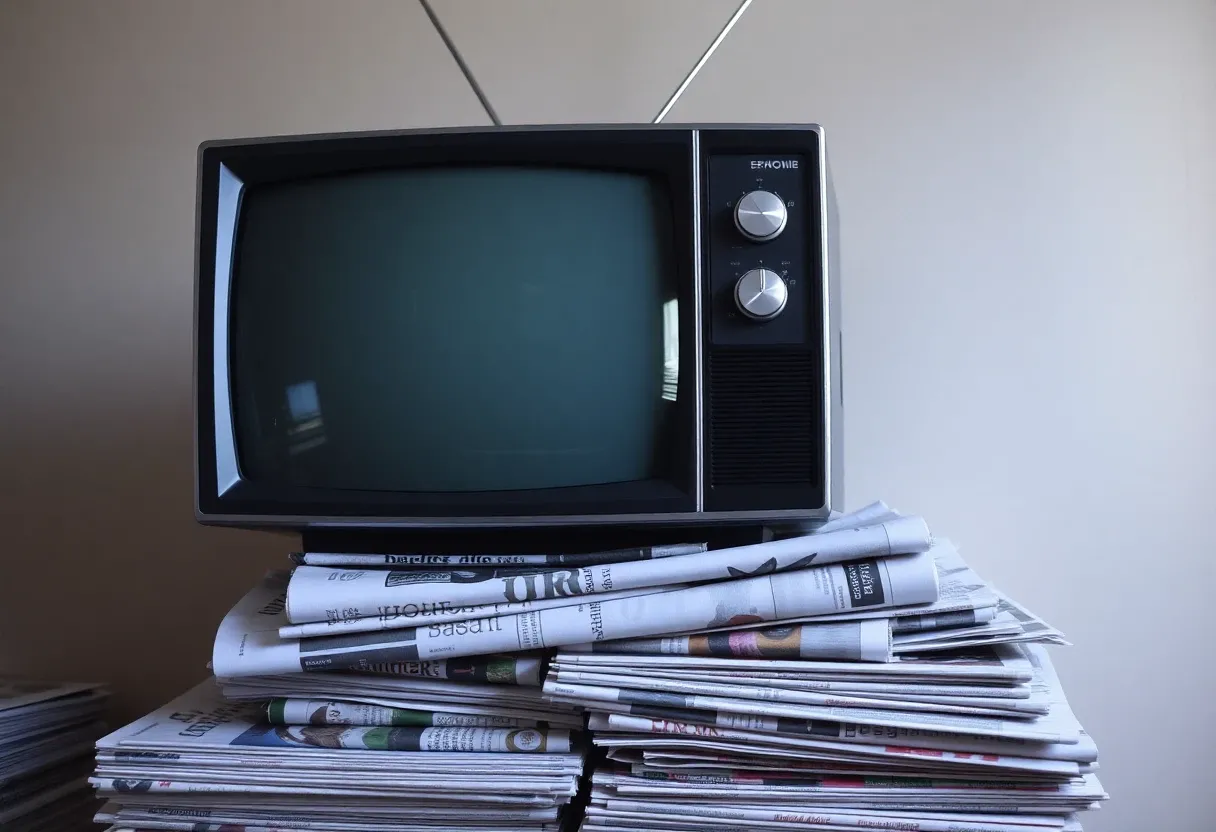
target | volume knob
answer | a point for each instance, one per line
(760, 216)
(761, 294)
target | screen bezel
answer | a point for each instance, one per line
(665, 155)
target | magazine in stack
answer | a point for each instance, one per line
(859, 676)
(47, 731)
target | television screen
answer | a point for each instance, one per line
(455, 329)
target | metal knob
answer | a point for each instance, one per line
(760, 216)
(761, 294)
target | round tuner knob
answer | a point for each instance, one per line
(760, 216)
(761, 294)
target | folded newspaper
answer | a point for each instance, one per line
(442, 700)
(47, 731)
(248, 641)
(944, 716)
(420, 560)
(324, 594)
(697, 758)
(968, 613)
(298, 763)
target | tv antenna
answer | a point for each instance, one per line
(671, 102)
(464, 68)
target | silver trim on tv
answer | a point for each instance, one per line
(833, 390)
(698, 328)
(305, 522)
(227, 473)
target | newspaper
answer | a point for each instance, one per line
(323, 594)
(1077, 749)
(1079, 752)
(622, 782)
(47, 731)
(1048, 798)
(633, 814)
(1024, 700)
(16, 692)
(1035, 730)
(873, 514)
(899, 786)
(359, 560)
(210, 817)
(1002, 664)
(932, 622)
(253, 784)
(41, 792)
(1011, 623)
(1042, 729)
(670, 734)
(707, 758)
(202, 719)
(960, 590)
(178, 826)
(493, 670)
(793, 814)
(849, 687)
(743, 689)
(254, 822)
(860, 641)
(248, 641)
(129, 823)
(705, 766)
(399, 616)
(341, 767)
(28, 721)
(295, 711)
(419, 695)
(523, 704)
(23, 759)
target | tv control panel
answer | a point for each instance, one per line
(764, 320)
(757, 223)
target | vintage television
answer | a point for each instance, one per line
(517, 327)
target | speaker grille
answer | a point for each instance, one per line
(762, 424)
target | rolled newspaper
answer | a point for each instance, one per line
(323, 594)
(248, 642)
(397, 616)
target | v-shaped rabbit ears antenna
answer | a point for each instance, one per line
(671, 102)
(692, 73)
(464, 68)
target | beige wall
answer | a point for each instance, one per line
(1028, 196)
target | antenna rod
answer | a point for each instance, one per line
(675, 96)
(468, 73)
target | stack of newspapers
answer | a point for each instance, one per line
(938, 714)
(47, 731)
(334, 756)
(860, 676)
(465, 743)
